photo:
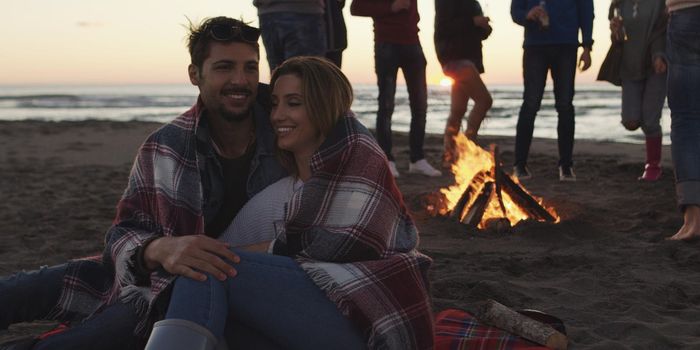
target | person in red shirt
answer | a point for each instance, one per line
(396, 45)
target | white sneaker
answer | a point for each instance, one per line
(423, 167)
(392, 168)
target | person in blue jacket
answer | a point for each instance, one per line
(551, 45)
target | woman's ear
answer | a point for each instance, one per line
(193, 73)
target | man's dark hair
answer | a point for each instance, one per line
(200, 37)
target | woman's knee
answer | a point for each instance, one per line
(631, 124)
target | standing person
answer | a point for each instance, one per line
(188, 181)
(291, 28)
(336, 32)
(683, 50)
(346, 273)
(396, 45)
(639, 27)
(551, 44)
(460, 26)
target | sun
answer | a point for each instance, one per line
(446, 81)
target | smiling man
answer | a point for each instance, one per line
(188, 181)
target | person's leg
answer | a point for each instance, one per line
(272, 295)
(535, 69)
(652, 105)
(683, 51)
(303, 34)
(482, 103)
(110, 329)
(30, 296)
(413, 65)
(458, 106)
(271, 34)
(632, 96)
(563, 58)
(386, 67)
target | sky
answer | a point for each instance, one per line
(143, 41)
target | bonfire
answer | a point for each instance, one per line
(483, 194)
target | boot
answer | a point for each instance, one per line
(652, 170)
(174, 334)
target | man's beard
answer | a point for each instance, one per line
(233, 117)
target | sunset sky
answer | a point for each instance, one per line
(129, 41)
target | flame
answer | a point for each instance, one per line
(473, 160)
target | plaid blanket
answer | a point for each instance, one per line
(459, 330)
(351, 232)
(164, 197)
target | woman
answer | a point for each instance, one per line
(345, 272)
(460, 27)
(639, 26)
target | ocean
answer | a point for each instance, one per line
(597, 108)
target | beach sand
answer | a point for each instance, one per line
(605, 269)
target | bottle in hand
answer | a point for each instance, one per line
(544, 18)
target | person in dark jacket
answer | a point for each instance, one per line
(460, 27)
(551, 44)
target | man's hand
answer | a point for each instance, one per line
(535, 13)
(190, 256)
(400, 5)
(585, 61)
(481, 21)
(659, 65)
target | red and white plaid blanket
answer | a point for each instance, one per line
(352, 234)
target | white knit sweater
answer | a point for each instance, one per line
(255, 222)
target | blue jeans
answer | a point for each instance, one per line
(30, 296)
(288, 35)
(537, 61)
(271, 295)
(388, 58)
(683, 51)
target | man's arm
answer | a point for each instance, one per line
(585, 16)
(137, 244)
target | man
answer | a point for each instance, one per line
(188, 181)
(292, 28)
(551, 44)
(396, 45)
(683, 51)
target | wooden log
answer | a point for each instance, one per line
(496, 170)
(523, 199)
(498, 315)
(458, 210)
(475, 212)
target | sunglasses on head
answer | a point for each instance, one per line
(225, 32)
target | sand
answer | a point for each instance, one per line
(605, 269)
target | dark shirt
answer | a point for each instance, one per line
(456, 36)
(235, 175)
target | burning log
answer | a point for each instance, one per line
(475, 212)
(523, 199)
(458, 211)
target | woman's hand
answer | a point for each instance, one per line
(617, 29)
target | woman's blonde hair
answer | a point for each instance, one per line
(326, 93)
